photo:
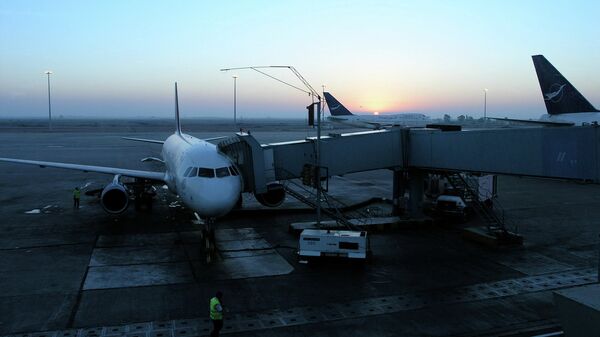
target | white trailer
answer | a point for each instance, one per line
(338, 243)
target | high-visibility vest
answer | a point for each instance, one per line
(214, 313)
(76, 194)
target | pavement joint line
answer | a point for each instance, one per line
(75, 308)
(302, 315)
(188, 257)
(46, 246)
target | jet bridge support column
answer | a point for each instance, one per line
(416, 180)
(399, 188)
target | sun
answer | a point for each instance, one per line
(376, 113)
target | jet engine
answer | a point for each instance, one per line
(274, 196)
(114, 197)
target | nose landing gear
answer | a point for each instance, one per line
(208, 238)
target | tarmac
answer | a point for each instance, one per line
(79, 273)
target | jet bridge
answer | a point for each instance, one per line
(569, 153)
(265, 163)
(564, 153)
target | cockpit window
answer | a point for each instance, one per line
(187, 171)
(234, 171)
(193, 172)
(206, 172)
(222, 172)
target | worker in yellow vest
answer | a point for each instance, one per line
(76, 195)
(216, 314)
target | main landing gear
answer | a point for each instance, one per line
(144, 193)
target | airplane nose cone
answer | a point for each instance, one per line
(218, 199)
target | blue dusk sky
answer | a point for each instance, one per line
(120, 58)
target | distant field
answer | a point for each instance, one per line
(146, 125)
(195, 125)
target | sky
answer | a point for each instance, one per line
(114, 59)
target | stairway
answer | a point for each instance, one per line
(493, 217)
(330, 206)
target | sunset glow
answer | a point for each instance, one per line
(114, 58)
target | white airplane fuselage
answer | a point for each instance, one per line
(579, 118)
(209, 197)
(409, 119)
(206, 180)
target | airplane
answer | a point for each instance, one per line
(564, 104)
(340, 114)
(206, 180)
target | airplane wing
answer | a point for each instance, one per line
(145, 140)
(162, 141)
(379, 126)
(214, 138)
(537, 122)
(159, 176)
(358, 123)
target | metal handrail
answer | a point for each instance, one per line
(481, 209)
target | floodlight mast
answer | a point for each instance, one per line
(314, 94)
(311, 90)
(48, 73)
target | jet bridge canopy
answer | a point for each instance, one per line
(565, 153)
(340, 154)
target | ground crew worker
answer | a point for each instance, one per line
(76, 195)
(216, 314)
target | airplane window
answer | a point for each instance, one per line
(185, 174)
(206, 172)
(222, 172)
(193, 172)
(234, 171)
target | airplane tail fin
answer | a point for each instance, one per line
(336, 108)
(177, 123)
(559, 95)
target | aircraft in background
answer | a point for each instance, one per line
(340, 114)
(206, 180)
(564, 104)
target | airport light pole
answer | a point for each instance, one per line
(318, 160)
(235, 77)
(48, 73)
(319, 103)
(485, 104)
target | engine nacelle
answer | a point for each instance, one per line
(274, 196)
(114, 198)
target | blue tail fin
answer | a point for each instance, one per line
(336, 108)
(560, 96)
(177, 124)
